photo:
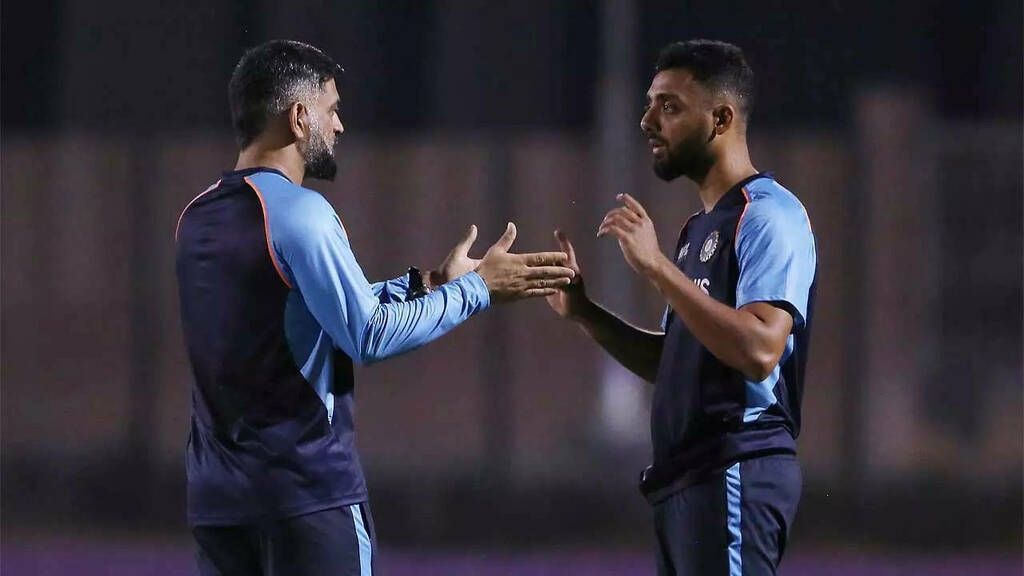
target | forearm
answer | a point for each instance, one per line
(391, 290)
(736, 337)
(637, 349)
(396, 289)
(398, 327)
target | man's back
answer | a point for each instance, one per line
(271, 431)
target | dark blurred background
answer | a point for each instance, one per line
(513, 446)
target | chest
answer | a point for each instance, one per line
(706, 253)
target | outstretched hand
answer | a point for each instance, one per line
(633, 228)
(514, 276)
(569, 301)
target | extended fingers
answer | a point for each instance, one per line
(545, 259)
(535, 292)
(633, 205)
(620, 219)
(616, 229)
(624, 215)
(566, 245)
(544, 284)
(549, 273)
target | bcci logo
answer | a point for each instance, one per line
(709, 247)
(683, 252)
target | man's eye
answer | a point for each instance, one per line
(668, 108)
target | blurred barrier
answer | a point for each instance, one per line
(96, 381)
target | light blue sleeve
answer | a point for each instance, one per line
(318, 260)
(393, 290)
(775, 249)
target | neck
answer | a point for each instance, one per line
(731, 168)
(286, 159)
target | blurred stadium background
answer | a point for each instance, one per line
(513, 446)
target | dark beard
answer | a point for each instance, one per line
(691, 158)
(319, 157)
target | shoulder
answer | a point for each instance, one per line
(769, 204)
(291, 210)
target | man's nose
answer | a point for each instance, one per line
(647, 124)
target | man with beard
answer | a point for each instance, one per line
(275, 309)
(728, 365)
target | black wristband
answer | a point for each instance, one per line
(417, 288)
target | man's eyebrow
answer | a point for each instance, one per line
(663, 96)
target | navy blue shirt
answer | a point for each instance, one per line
(756, 245)
(275, 309)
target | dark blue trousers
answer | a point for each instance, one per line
(335, 542)
(735, 524)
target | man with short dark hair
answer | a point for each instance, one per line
(728, 365)
(275, 309)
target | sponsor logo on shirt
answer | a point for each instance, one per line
(683, 252)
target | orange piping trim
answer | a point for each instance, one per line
(736, 235)
(189, 205)
(266, 230)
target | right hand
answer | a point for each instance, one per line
(571, 300)
(516, 276)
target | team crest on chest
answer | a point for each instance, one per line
(709, 247)
(683, 252)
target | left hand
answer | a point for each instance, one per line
(633, 228)
(457, 262)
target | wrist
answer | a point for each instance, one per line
(418, 284)
(583, 313)
(433, 278)
(658, 269)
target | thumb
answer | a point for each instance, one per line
(506, 240)
(462, 248)
(566, 246)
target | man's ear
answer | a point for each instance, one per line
(298, 120)
(724, 115)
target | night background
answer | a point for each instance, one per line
(514, 445)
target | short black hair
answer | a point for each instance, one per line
(719, 66)
(270, 78)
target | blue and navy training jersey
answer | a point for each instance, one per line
(275, 309)
(755, 245)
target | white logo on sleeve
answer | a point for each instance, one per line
(704, 284)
